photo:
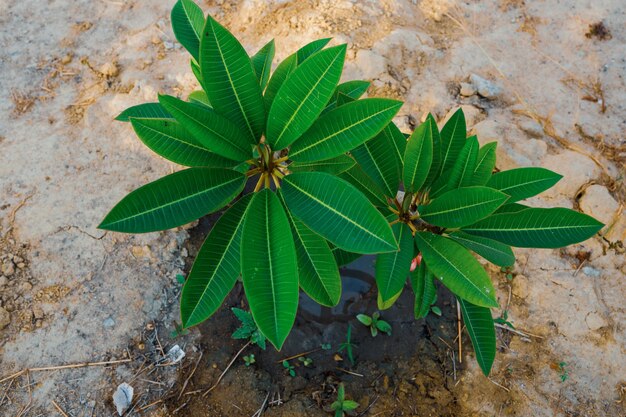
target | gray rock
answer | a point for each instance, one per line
(108, 323)
(485, 88)
(598, 202)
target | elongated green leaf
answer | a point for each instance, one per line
(492, 250)
(464, 166)
(269, 267)
(335, 165)
(215, 132)
(392, 269)
(511, 208)
(462, 207)
(435, 167)
(303, 95)
(187, 23)
(343, 257)
(425, 291)
(199, 97)
(338, 212)
(310, 49)
(216, 268)
(522, 183)
(317, 268)
(362, 182)
(170, 140)
(456, 268)
(229, 79)
(382, 164)
(353, 89)
(485, 164)
(144, 111)
(537, 227)
(452, 140)
(398, 140)
(344, 128)
(385, 304)
(287, 66)
(262, 63)
(418, 157)
(480, 327)
(195, 68)
(174, 200)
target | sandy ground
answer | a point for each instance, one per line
(536, 76)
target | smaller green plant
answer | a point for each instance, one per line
(375, 323)
(249, 359)
(341, 405)
(291, 370)
(307, 362)
(504, 320)
(561, 368)
(348, 345)
(326, 346)
(180, 278)
(248, 328)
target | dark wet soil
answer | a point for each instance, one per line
(409, 373)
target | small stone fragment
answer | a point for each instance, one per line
(4, 281)
(109, 69)
(5, 318)
(8, 268)
(26, 286)
(485, 88)
(598, 202)
(595, 321)
(108, 323)
(123, 398)
(467, 90)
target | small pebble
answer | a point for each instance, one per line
(109, 69)
(8, 268)
(109, 322)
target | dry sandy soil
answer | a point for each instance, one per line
(543, 78)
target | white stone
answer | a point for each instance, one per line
(371, 64)
(467, 90)
(485, 88)
(598, 202)
(595, 321)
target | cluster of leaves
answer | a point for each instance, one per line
(375, 323)
(248, 329)
(326, 168)
(341, 405)
(287, 131)
(348, 346)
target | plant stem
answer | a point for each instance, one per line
(260, 182)
(267, 180)
(253, 172)
(276, 182)
(279, 160)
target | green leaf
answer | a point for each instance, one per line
(485, 164)
(280, 74)
(195, 68)
(418, 157)
(452, 140)
(522, 183)
(187, 23)
(344, 128)
(174, 200)
(229, 79)
(537, 227)
(343, 257)
(425, 291)
(456, 268)
(338, 212)
(435, 167)
(511, 208)
(269, 267)
(262, 63)
(335, 165)
(353, 89)
(216, 267)
(317, 268)
(362, 182)
(462, 207)
(199, 97)
(480, 327)
(385, 304)
(365, 319)
(144, 111)
(303, 95)
(383, 326)
(215, 132)
(349, 405)
(382, 165)
(170, 140)
(492, 250)
(392, 269)
(398, 140)
(465, 164)
(310, 49)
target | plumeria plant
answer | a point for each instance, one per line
(444, 200)
(330, 178)
(288, 133)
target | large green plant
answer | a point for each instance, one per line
(452, 204)
(289, 134)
